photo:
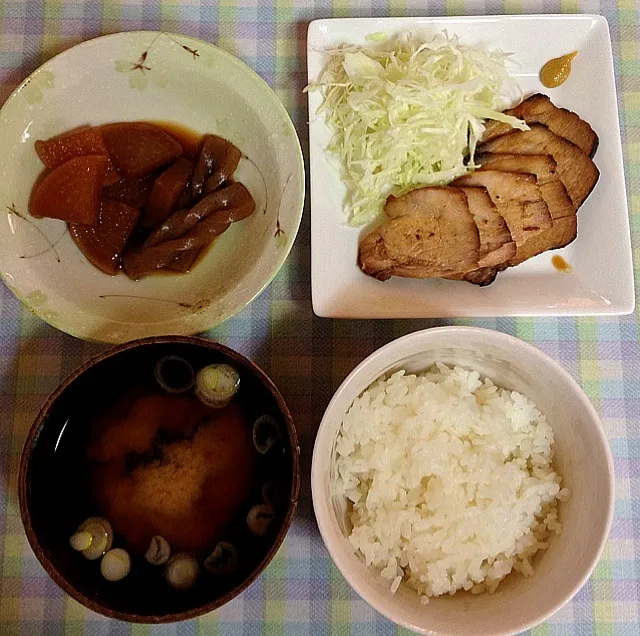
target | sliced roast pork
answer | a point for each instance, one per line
(539, 109)
(576, 170)
(430, 233)
(562, 210)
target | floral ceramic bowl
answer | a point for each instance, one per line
(147, 76)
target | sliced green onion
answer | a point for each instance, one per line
(223, 559)
(80, 541)
(216, 384)
(158, 551)
(259, 519)
(101, 537)
(115, 564)
(181, 571)
(266, 433)
(174, 374)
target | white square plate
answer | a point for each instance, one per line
(601, 280)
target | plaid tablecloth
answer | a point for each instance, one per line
(301, 592)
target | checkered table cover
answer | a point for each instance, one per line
(301, 592)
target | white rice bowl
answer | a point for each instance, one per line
(450, 480)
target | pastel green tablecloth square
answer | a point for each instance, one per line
(301, 592)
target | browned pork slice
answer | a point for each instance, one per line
(577, 171)
(482, 276)
(563, 232)
(546, 171)
(563, 213)
(496, 243)
(539, 109)
(426, 201)
(518, 200)
(430, 233)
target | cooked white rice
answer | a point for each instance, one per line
(450, 478)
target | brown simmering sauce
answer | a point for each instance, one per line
(560, 264)
(556, 71)
(190, 139)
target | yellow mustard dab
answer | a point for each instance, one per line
(560, 264)
(557, 70)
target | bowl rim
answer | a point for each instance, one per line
(423, 338)
(282, 254)
(40, 420)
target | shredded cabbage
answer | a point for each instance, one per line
(408, 114)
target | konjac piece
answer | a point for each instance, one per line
(71, 192)
(234, 196)
(237, 198)
(138, 148)
(103, 244)
(142, 261)
(183, 263)
(213, 150)
(224, 170)
(165, 193)
(185, 199)
(86, 140)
